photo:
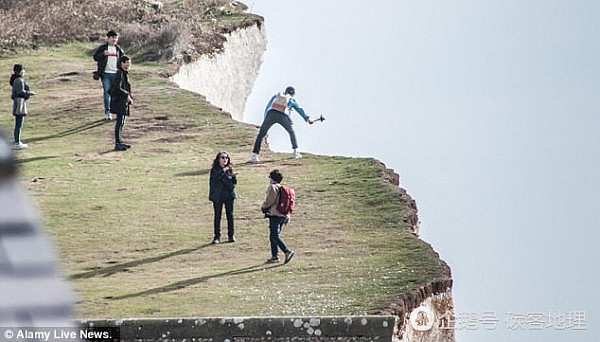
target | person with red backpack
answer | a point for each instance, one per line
(275, 113)
(271, 208)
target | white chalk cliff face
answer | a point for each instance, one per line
(227, 78)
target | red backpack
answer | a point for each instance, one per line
(287, 198)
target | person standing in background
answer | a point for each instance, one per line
(108, 56)
(222, 184)
(20, 94)
(120, 100)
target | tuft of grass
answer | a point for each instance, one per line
(133, 228)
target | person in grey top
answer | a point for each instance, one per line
(20, 94)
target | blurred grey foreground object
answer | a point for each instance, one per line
(32, 292)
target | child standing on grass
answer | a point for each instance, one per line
(20, 94)
(222, 193)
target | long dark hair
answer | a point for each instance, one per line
(216, 163)
(17, 68)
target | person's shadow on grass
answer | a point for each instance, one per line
(110, 270)
(193, 281)
(71, 131)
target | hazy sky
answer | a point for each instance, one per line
(489, 111)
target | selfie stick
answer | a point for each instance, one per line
(321, 118)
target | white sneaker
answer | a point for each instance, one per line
(20, 146)
(296, 155)
(108, 117)
(254, 158)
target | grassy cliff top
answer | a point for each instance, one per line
(133, 228)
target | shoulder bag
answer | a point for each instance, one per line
(21, 106)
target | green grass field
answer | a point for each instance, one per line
(133, 228)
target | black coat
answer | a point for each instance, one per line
(103, 59)
(118, 91)
(222, 185)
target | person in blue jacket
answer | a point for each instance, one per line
(222, 184)
(275, 113)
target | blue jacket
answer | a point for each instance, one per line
(291, 105)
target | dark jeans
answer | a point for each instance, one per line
(19, 119)
(275, 117)
(107, 80)
(119, 128)
(218, 207)
(276, 223)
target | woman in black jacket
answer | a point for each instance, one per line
(222, 193)
(120, 100)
